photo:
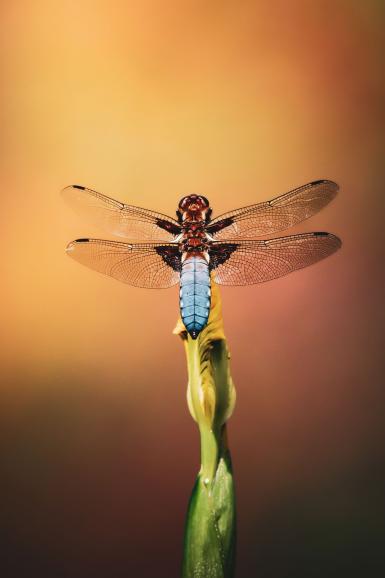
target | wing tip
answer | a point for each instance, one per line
(70, 247)
(336, 240)
(68, 193)
(69, 187)
(332, 184)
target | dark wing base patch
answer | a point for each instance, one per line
(171, 256)
(219, 225)
(220, 253)
(168, 226)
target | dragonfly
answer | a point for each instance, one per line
(194, 249)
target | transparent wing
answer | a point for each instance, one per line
(149, 265)
(120, 219)
(249, 262)
(275, 215)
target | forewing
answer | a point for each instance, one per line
(120, 219)
(254, 261)
(276, 215)
(149, 265)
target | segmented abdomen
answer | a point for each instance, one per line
(195, 294)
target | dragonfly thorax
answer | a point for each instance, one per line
(194, 237)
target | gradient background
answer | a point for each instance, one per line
(148, 101)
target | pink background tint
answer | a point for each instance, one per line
(148, 101)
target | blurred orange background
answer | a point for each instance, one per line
(148, 101)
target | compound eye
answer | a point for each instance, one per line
(185, 203)
(204, 202)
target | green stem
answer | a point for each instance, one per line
(209, 546)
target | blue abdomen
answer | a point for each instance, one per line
(195, 294)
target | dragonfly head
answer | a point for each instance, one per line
(193, 207)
